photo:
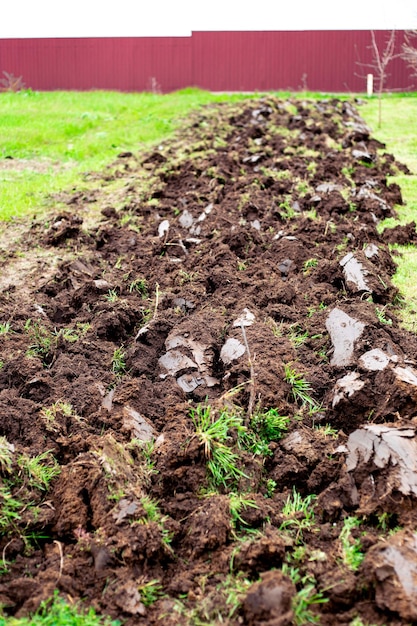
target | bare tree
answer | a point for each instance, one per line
(11, 82)
(382, 55)
(409, 50)
(381, 60)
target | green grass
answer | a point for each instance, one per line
(300, 388)
(64, 134)
(306, 597)
(352, 554)
(405, 281)
(119, 362)
(399, 132)
(298, 514)
(214, 433)
(20, 475)
(399, 113)
(57, 612)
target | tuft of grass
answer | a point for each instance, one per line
(5, 328)
(153, 514)
(382, 318)
(298, 514)
(327, 430)
(264, 427)
(297, 335)
(306, 597)
(214, 433)
(270, 486)
(58, 612)
(40, 470)
(23, 477)
(302, 603)
(150, 591)
(309, 264)
(119, 362)
(300, 388)
(112, 296)
(40, 337)
(216, 607)
(352, 554)
(239, 502)
(270, 424)
(60, 407)
(140, 286)
(70, 334)
(10, 509)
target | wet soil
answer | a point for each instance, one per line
(233, 267)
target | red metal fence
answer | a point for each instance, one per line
(328, 61)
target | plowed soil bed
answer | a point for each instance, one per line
(235, 272)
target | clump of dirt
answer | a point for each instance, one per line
(206, 397)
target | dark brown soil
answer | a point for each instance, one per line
(122, 308)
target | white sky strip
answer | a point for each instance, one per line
(137, 18)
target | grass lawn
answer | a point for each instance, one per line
(399, 132)
(51, 138)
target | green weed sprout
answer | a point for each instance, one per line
(49, 414)
(302, 603)
(300, 387)
(217, 606)
(265, 426)
(153, 514)
(68, 334)
(327, 430)
(234, 587)
(213, 435)
(297, 335)
(150, 591)
(271, 486)
(306, 596)
(382, 318)
(40, 470)
(270, 424)
(351, 548)
(298, 513)
(112, 295)
(118, 362)
(10, 509)
(5, 328)
(33, 472)
(239, 502)
(140, 286)
(41, 339)
(295, 504)
(309, 264)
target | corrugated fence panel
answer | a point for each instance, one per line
(335, 61)
(125, 64)
(332, 61)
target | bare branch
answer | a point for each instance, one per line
(381, 58)
(409, 51)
